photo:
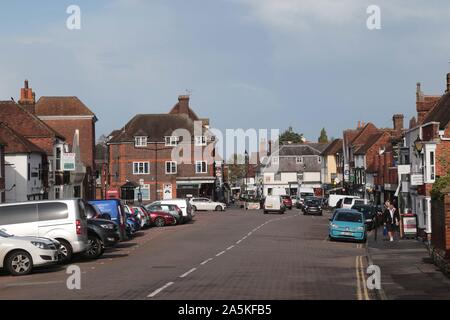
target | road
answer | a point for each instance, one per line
(235, 254)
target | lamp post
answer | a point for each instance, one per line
(246, 171)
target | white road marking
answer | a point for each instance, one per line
(239, 241)
(206, 261)
(220, 253)
(188, 273)
(154, 293)
(230, 247)
(31, 284)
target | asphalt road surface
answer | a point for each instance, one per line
(235, 254)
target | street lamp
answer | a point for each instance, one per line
(246, 170)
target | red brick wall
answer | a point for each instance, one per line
(443, 155)
(2, 169)
(87, 136)
(122, 156)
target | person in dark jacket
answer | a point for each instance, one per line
(391, 220)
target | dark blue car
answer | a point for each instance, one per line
(114, 211)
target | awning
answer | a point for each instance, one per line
(196, 181)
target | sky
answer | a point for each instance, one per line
(262, 64)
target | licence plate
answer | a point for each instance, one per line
(269, 206)
(346, 233)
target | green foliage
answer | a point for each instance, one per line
(236, 168)
(289, 136)
(323, 136)
(440, 184)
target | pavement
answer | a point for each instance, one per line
(231, 255)
(407, 271)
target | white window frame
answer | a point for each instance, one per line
(140, 141)
(298, 160)
(200, 141)
(430, 164)
(171, 141)
(173, 167)
(197, 164)
(138, 171)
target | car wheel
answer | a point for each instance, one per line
(159, 222)
(219, 208)
(19, 263)
(194, 208)
(65, 250)
(95, 247)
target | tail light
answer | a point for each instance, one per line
(78, 226)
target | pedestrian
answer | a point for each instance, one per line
(391, 220)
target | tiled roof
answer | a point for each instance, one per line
(296, 150)
(371, 140)
(16, 143)
(62, 106)
(364, 134)
(334, 147)
(440, 112)
(25, 122)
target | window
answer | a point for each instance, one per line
(29, 171)
(171, 167)
(18, 214)
(277, 177)
(145, 192)
(201, 167)
(77, 192)
(171, 141)
(141, 167)
(57, 193)
(52, 211)
(58, 159)
(299, 160)
(200, 141)
(432, 166)
(140, 142)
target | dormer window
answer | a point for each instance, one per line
(140, 142)
(171, 141)
(200, 141)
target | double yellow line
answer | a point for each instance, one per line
(362, 292)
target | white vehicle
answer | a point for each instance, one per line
(205, 204)
(334, 198)
(18, 255)
(63, 220)
(274, 204)
(349, 202)
(184, 205)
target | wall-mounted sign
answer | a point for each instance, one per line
(68, 161)
(404, 169)
(417, 179)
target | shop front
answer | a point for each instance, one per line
(191, 187)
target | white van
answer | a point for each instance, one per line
(184, 205)
(63, 220)
(349, 202)
(274, 204)
(334, 198)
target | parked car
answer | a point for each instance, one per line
(102, 233)
(205, 204)
(162, 219)
(19, 255)
(287, 201)
(347, 224)
(369, 212)
(349, 202)
(313, 206)
(63, 220)
(113, 210)
(144, 215)
(186, 208)
(295, 200)
(334, 198)
(172, 209)
(274, 204)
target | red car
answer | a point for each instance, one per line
(161, 219)
(287, 201)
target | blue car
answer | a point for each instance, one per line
(348, 224)
(113, 210)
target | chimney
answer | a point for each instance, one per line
(448, 83)
(183, 104)
(398, 122)
(27, 97)
(419, 94)
(412, 123)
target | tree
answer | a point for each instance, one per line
(323, 136)
(289, 136)
(236, 168)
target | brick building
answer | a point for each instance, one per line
(425, 155)
(142, 153)
(2, 171)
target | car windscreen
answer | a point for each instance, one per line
(348, 217)
(312, 203)
(367, 211)
(348, 200)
